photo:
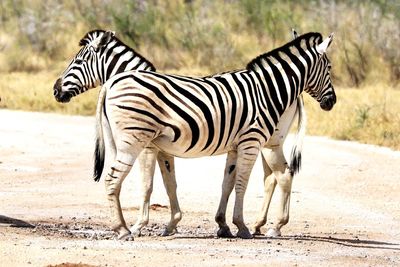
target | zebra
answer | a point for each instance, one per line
(101, 57)
(276, 170)
(101, 42)
(234, 112)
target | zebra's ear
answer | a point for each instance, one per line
(322, 47)
(105, 38)
(294, 33)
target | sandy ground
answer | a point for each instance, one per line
(345, 208)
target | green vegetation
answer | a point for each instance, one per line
(39, 37)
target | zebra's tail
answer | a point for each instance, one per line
(99, 151)
(295, 157)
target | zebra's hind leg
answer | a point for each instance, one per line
(147, 162)
(269, 188)
(245, 162)
(284, 184)
(284, 177)
(227, 187)
(118, 171)
(167, 168)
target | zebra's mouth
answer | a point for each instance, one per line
(64, 97)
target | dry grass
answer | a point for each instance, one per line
(34, 92)
(369, 115)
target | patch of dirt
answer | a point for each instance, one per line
(344, 208)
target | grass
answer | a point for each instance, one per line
(369, 115)
(34, 92)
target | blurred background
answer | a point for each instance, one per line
(201, 37)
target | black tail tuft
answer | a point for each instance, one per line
(98, 160)
(295, 163)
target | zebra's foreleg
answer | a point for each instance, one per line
(147, 162)
(167, 168)
(227, 187)
(282, 173)
(245, 162)
(269, 188)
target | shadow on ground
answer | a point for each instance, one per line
(12, 222)
(349, 242)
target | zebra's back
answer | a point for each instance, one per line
(184, 116)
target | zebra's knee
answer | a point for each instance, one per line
(112, 187)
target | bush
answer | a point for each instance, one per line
(207, 35)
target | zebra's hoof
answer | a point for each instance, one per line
(273, 233)
(244, 234)
(224, 232)
(168, 232)
(256, 231)
(136, 233)
(126, 237)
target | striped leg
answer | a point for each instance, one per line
(118, 171)
(227, 187)
(245, 162)
(167, 168)
(269, 188)
(285, 184)
(147, 162)
(283, 176)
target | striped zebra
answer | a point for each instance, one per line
(102, 48)
(276, 170)
(101, 57)
(234, 112)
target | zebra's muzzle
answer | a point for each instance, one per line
(328, 102)
(63, 97)
(60, 96)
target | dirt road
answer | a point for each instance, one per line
(345, 208)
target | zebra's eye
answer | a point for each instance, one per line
(78, 61)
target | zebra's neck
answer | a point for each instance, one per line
(278, 86)
(117, 57)
(283, 73)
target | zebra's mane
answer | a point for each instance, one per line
(274, 53)
(92, 35)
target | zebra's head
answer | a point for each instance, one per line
(84, 72)
(319, 84)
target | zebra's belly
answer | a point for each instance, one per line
(179, 148)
